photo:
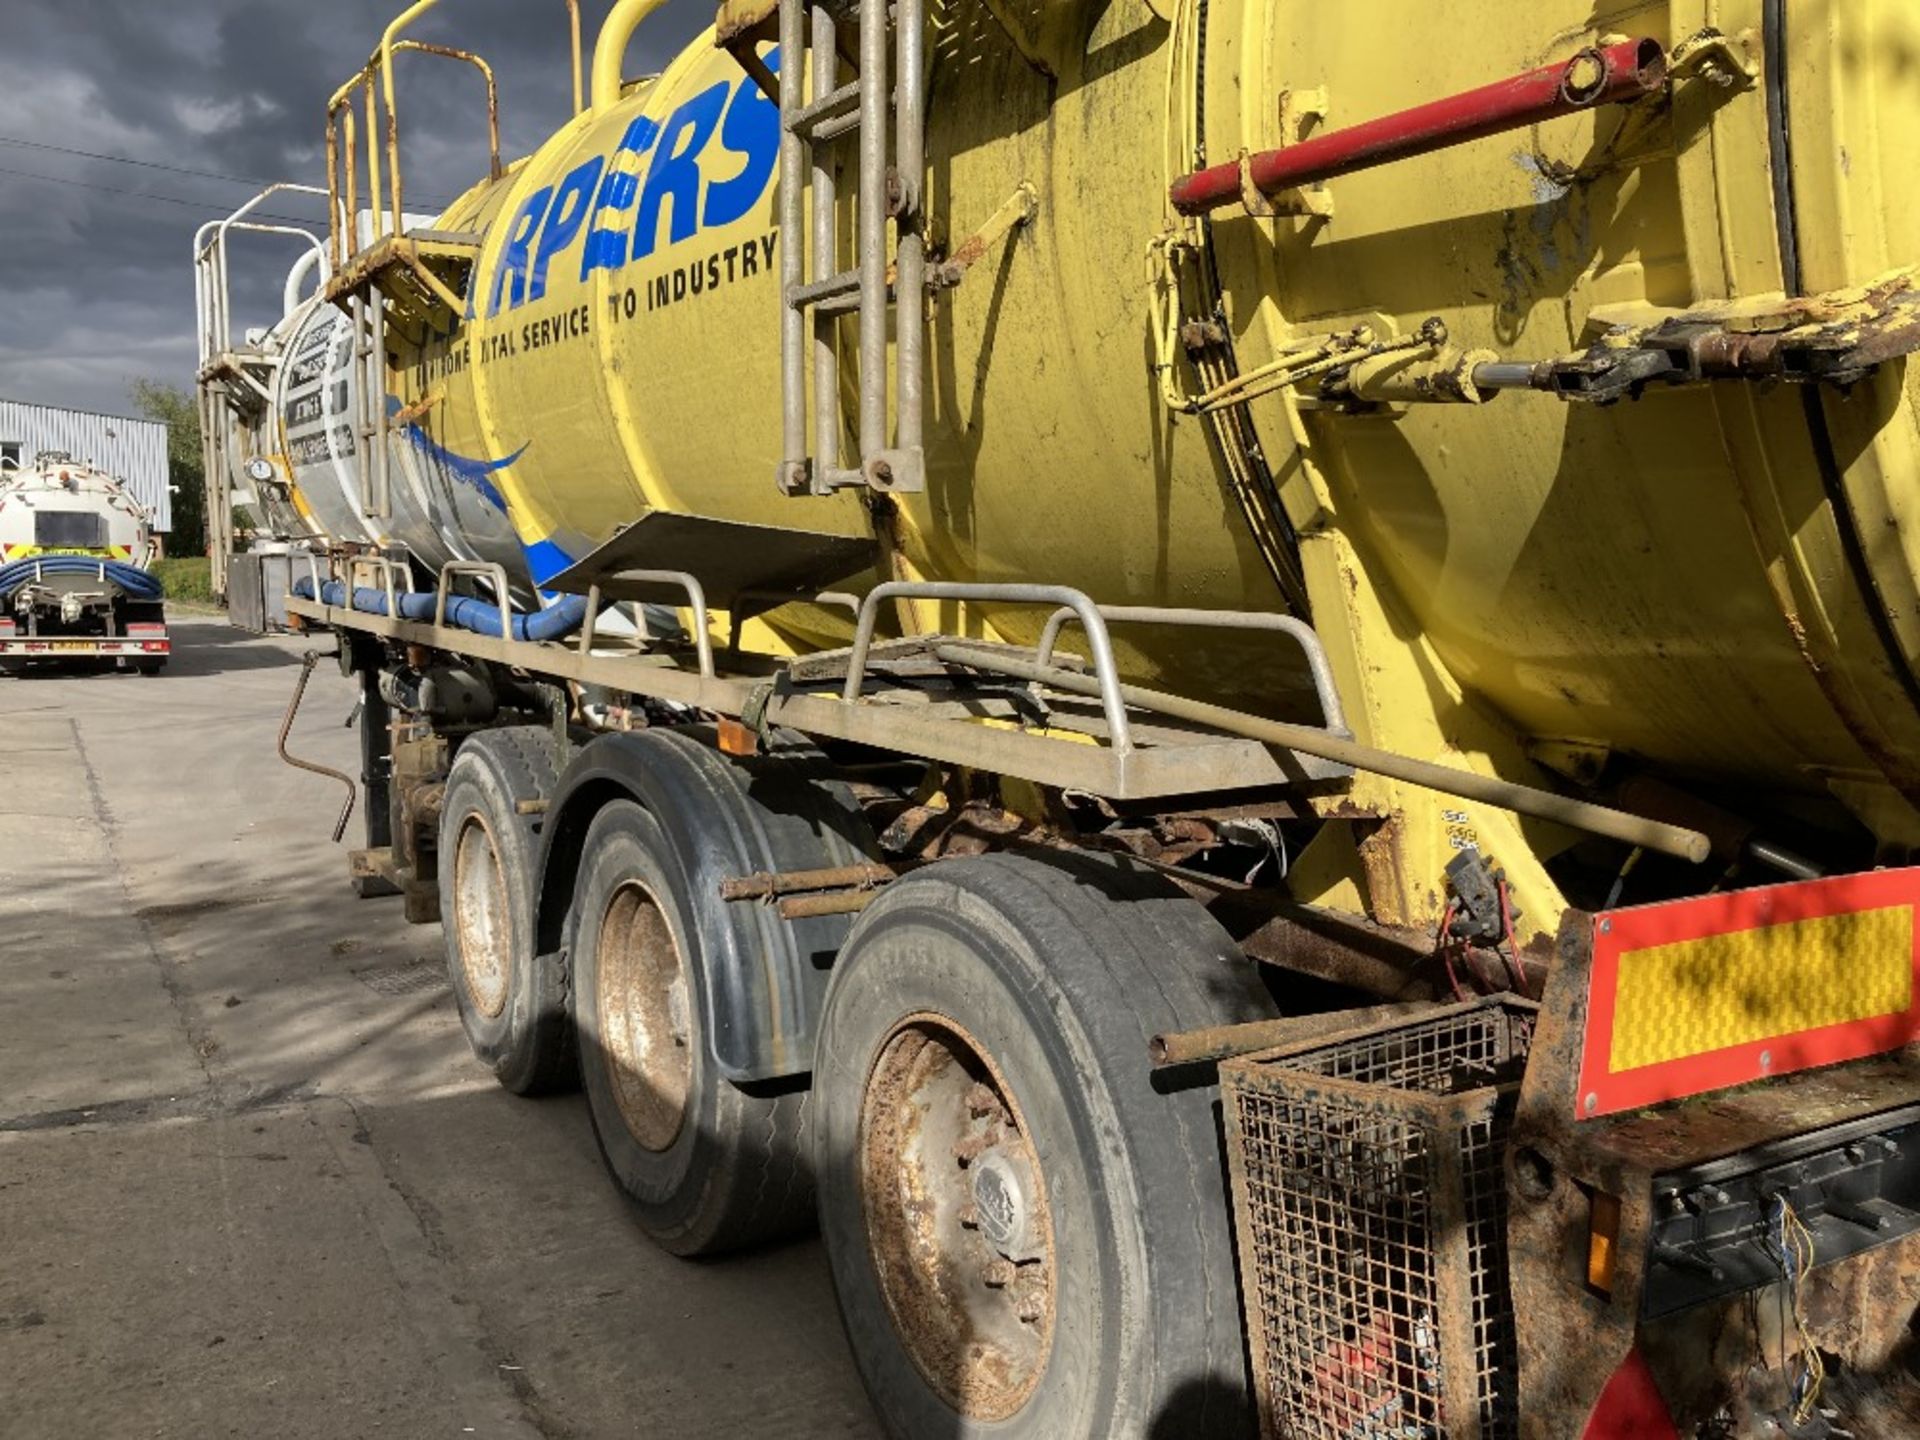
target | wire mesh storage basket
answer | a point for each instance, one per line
(1369, 1201)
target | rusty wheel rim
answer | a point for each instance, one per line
(645, 1013)
(958, 1225)
(484, 924)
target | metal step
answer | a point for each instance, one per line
(835, 105)
(815, 292)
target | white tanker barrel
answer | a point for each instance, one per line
(74, 546)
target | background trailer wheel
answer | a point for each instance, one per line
(1027, 1237)
(512, 1002)
(695, 1017)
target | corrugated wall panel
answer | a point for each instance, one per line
(133, 450)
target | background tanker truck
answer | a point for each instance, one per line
(74, 584)
(1233, 683)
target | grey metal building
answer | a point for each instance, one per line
(134, 451)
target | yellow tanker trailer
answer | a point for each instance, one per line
(1352, 564)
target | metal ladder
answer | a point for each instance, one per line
(811, 289)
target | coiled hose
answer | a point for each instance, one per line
(557, 620)
(130, 580)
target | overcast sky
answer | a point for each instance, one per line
(96, 280)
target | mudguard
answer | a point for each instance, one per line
(780, 810)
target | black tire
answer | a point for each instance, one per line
(721, 1168)
(1059, 969)
(512, 1002)
(152, 667)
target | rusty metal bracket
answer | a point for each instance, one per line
(1723, 60)
(1018, 210)
(1299, 110)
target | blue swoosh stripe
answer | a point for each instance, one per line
(466, 468)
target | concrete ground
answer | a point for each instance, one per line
(251, 1180)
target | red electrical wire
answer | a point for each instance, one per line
(1514, 970)
(1443, 947)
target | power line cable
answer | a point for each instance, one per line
(154, 165)
(206, 205)
(129, 160)
(162, 166)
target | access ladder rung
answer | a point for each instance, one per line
(811, 121)
(821, 292)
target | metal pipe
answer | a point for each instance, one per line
(793, 333)
(765, 884)
(377, 397)
(351, 217)
(1105, 680)
(1505, 794)
(834, 902)
(826, 200)
(1331, 709)
(388, 43)
(696, 602)
(1617, 74)
(216, 248)
(610, 50)
(1222, 1042)
(872, 221)
(334, 238)
(307, 662)
(1785, 861)
(465, 57)
(297, 277)
(1506, 375)
(910, 255)
(376, 224)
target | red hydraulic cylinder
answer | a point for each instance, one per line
(1610, 76)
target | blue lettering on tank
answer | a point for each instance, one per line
(751, 130)
(598, 196)
(563, 220)
(606, 247)
(675, 173)
(516, 258)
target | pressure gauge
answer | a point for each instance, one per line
(259, 469)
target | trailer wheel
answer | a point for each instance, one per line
(512, 1003)
(706, 1165)
(1029, 1239)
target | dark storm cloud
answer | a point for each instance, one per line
(96, 285)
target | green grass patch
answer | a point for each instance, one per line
(188, 578)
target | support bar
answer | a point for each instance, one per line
(1615, 75)
(1106, 677)
(1489, 790)
(1303, 634)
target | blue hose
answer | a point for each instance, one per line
(463, 611)
(134, 582)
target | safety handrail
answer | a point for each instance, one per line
(210, 272)
(1331, 710)
(466, 57)
(387, 568)
(374, 87)
(610, 50)
(1120, 735)
(696, 601)
(502, 597)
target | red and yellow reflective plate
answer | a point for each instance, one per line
(1700, 994)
